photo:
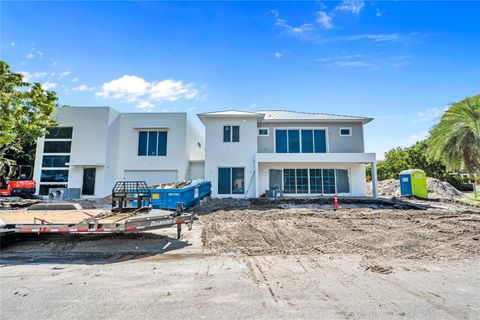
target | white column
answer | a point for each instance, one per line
(256, 177)
(374, 180)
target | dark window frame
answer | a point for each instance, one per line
(54, 173)
(283, 135)
(231, 133)
(155, 147)
(54, 132)
(48, 146)
(228, 187)
(49, 161)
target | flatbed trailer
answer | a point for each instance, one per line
(92, 221)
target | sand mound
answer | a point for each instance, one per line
(436, 189)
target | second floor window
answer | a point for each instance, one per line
(300, 141)
(152, 143)
(231, 133)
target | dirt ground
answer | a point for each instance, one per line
(245, 260)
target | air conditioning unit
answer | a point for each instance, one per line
(63, 193)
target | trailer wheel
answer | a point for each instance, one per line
(179, 231)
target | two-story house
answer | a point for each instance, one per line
(93, 147)
(301, 154)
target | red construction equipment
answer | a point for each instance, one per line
(21, 186)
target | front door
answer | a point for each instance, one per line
(88, 187)
(275, 179)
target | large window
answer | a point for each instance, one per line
(59, 133)
(343, 184)
(316, 181)
(289, 181)
(55, 161)
(57, 146)
(300, 141)
(152, 143)
(231, 133)
(328, 181)
(302, 180)
(231, 180)
(54, 176)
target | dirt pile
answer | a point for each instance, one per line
(442, 189)
(436, 189)
(407, 234)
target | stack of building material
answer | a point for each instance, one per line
(172, 185)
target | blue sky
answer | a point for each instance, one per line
(399, 62)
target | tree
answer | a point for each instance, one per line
(455, 141)
(414, 157)
(27, 112)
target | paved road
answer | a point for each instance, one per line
(187, 283)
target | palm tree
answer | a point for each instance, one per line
(456, 139)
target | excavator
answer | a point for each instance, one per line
(21, 186)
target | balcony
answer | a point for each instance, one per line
(316, 157)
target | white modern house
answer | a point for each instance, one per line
(300, 154)
(93, 147)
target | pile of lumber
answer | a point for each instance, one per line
(172, 185)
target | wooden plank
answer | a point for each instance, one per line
(57, 216)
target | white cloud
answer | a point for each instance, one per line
(352, 63)
(126, 86)
(12, 43)
(429, 114)
(40, 53)
(83, 87)
(64, 74)
(418, 136)
(74, 79)
(27, 76)
(374, 61)
(278, 55)
(145, 105)
(133, 88)
(378, 13)
(30, 56)
(351, 6)
(48, 85)
(374, 37)
(291, 30)
(54, 63)
(324, 20)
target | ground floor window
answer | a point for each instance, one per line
(316, 181)
(231, 180)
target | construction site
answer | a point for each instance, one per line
(245, 258)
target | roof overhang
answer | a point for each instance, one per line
(228, 115)
(362, 120)
(151, 128)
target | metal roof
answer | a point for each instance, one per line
(283, 115)
(287, 116)
(228, 113)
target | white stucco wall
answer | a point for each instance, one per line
(108, 141)
(230, 154)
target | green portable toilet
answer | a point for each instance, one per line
(413, 182)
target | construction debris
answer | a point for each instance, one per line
(172, 185)
(7, 203)
(436, 189)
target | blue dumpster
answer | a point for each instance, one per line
(188, 196)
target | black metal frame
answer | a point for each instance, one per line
(125, 193)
